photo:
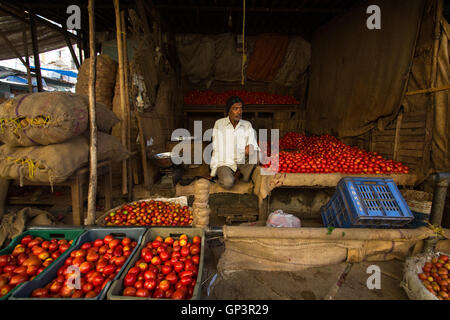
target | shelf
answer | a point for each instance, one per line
(247, 108)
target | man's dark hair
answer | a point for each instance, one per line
(232, 100)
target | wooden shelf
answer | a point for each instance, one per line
(247, 108)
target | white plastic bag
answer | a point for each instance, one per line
(281, 219)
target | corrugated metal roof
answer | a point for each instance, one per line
(12, 28)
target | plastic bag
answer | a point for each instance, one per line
(281, 219)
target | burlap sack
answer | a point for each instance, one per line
(201, 198)
(14, 223)
(200, 205)
(45, 118)
(201, 217)
(105, 118)
(202, 186)
(104, 81)
(55, 163)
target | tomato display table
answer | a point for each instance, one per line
(264, 184)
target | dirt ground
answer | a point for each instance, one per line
(311, 284)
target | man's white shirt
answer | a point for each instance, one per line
(229, 143)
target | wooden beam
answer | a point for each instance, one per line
(254, 9)
(21, 15)
(72, 52)
(80, 51)
(27, 58)
(37, 63)
(430, 90)
(122, 92)
(397, 134)
(14, 50)
(92, 120)
(127, 96)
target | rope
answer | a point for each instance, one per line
(244, 56)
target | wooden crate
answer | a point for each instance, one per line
(406, 139)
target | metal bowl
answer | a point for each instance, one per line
(182, 138)
(163, 160)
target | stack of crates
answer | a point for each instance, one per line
(366, 203)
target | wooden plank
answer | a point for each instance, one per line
(412, 139)
(417, 113)
(398, 125)
(413, 160)
(412, 145)
(77, 202)
(383, 147)
(376, 138)
(416, 118)
(413, 132)
(388, 132)
(411, 153)
(410, 125)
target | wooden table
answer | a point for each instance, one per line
(76, 183)
(264, 184)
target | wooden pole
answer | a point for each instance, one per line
(37, 63)
(127, 96)
(14, 50)
(80, 51)
(122, 93)
(93, 126)
(72, 52)
(27, 58)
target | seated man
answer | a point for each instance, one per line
(234, 146)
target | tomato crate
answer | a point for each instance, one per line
(116, 289)
(366, 203)
(89, 235)
(46, 234)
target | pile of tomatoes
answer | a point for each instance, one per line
(435, 276)
(28, 259)
(208, 97)
(150, 213)
(326, 154)
(98, 263)
(167, 268)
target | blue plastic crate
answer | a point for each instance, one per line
(91, 234)
(366, 202)
(334, 213)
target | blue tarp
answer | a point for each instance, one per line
(23, 80)
(63, 72)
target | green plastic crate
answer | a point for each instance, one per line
(46, 234)
(116, 289)
(90, 234)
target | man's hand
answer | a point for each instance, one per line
(247, 150)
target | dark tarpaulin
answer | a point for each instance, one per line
(358, 76)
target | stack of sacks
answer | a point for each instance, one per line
(201, 210)
(46, 136)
